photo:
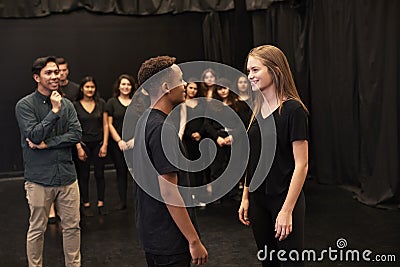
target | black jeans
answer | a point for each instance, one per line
(263, 211)
(121, 168)
(92, 151)
(178, 260)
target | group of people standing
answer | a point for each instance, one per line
(208, 112)
(101, 124)
(52, 128)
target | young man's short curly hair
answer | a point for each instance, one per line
(153, 66)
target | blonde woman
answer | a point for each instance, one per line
(276, 209)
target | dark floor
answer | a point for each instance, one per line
(110, 240)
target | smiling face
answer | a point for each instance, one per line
(89, 89)
(125, 87)
(48, 79)
(259, 74)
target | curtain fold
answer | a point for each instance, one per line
(41, 8)
(287, 26)
(252, 5)
(378, 53)
(217, 38)
(345, 59)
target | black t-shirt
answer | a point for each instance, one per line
(91, 123)
(70, 91)
(226, 115)
(116, 110)
(139, 103)
(244, 111)
(158, 233)
(291, 124)
(193, 126)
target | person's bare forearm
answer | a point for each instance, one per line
(182, 220)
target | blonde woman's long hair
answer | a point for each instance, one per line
(276, 62)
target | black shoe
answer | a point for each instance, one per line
(52, 220)
(87, 212)
(102, 210)
(120, 206)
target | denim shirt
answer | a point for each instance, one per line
(52, 166)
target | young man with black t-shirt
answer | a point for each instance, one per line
(69, 89)
(167, 232)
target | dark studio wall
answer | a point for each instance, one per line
(103, 46)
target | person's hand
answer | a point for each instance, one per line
(42, 144)
(196, 136)
(283, 225)
(55, 99)
(228, 140)
(81, 154)
(130, 144)
(122, 145)
(244, 212)
(198, 252)
(220, 141)
(103, 151)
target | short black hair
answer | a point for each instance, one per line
(154, 65)
(41, 62)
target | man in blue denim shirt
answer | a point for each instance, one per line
(49, 129)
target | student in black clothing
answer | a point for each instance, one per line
(244, 100)
(224, 110)
(166, 228)
(68, 88)
(194, 128)
(276, 209)
(244, 103)
(124, 88)
(93, 146)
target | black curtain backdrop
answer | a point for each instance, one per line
(41, 8)
(345, 59)
(105, 45)
(344, 56)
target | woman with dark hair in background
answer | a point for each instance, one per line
(194, 131)
(93, 146)
(243, 107)
(124, 88)
(224, 110)
(276, 209)
(207, 87)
